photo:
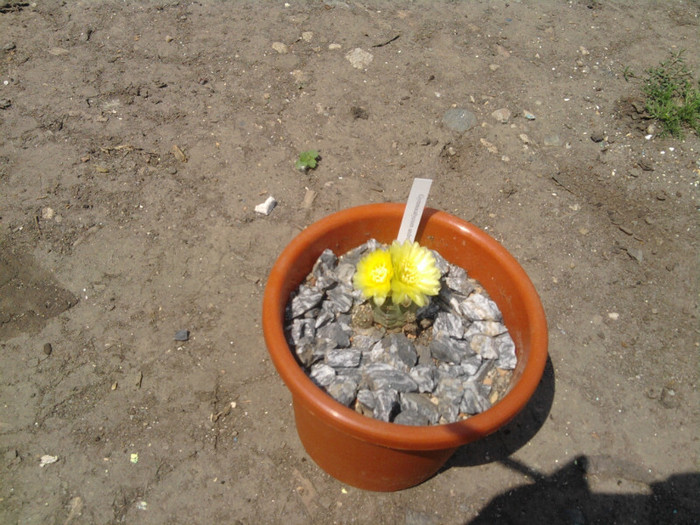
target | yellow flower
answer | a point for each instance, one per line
(416, 274)
(373, 276)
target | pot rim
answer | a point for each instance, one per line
(365, 428)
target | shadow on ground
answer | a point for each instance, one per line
(564, 497)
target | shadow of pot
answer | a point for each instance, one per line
(375, 455)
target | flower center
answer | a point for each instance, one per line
(379, 274)
(408, 274)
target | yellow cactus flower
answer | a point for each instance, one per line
(416, 274)
(373, 276)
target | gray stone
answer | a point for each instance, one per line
(473, 400)
(486, 366)
(345, 322)
(305, 300)
(424, 376)
(352, 257)
(389, 378)
(182, 335)
(459, 119)
(502, 115)
(507, 359)
(335, 334)
(449, 411)
(424, 355)
(450, 324)
(302, 329)
(450, 389)
(343, 357)
(449, 349)
(458, 281)
(449, 393)
(442, 264)
(490, 328)
(367, 398)
(365, 342)
(404, 348)
(396, 350)
(451, 300)
(471, 365)
(478, 307)
(344, 273)
(325, 316)
(410, 417)
(342, 389)
(386, 404)
(325, 282)
(359, 58)
(307, 353)
(411, 402)
(322, 374)
(325, 264)
(442, 349)
(355, 373)
(340, 299)
(484, 346)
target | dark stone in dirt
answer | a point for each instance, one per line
(359, 113)
(597, 137)
(48, 348)
(645, 164)
(5, 103)
(182, 335)
(669, 399)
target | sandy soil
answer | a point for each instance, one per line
(111, 241)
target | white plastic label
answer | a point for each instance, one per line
(414, 210)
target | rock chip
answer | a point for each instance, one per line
(459, 119)
(502, 115)
(359, 58)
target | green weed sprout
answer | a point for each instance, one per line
(672, 98)
(307, 160)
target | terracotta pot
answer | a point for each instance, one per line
(372, 454)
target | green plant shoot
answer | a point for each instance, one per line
(307, 160)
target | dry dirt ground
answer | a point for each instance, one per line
(111, 241)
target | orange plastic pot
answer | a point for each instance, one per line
(375, 455)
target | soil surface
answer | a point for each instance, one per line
(136, 139)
